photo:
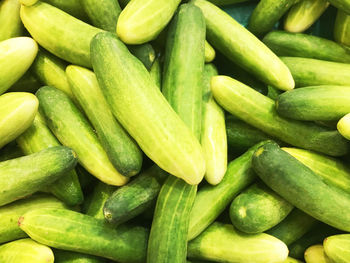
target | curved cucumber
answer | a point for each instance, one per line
(46, 23)
(10, 21)
(122, 150)
(316, 254)
(343, 126)
(337, 248)
(209, 52)
(342, 28)
(62, 256)
(243, 48)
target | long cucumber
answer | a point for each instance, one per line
(10, 21)
(342, 28)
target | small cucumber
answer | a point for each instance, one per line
(122, 150)
(223, 243)
(316, 254)
(10, 21)
(156, 73)
(337, 248)
(62, 256)
(73, 130)
(125, 244)
(25, 250)
(342, 28)
(343, 126)
(209, 52)
(72, 7)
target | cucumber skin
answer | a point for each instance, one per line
(337, 248)
(232, 95)
(11, 25)
(125, 244)
(306, 46)
(342, 28)
(62, 256)
(301, 186)
(129, 96)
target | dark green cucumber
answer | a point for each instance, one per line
(257, 209)
(342, 28)
(156, 73)
(62, 256)
(38, 137)
(33, 172)
(307, 46)
(125, 244)
(136, 197)
(299, 185)
(317, 103)
(145, 53)
(259, 111)
(10, 151)
(73, 130)
(10, 21)
(72, 7)
(122, 150)
(337, 248)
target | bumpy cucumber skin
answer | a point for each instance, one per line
(125, 244)
(242, 47)
(72, 7)
(316, 254)
(342, 28)
(337, 248)
(301, 186)
(62, 256)
(343, 126)
(10, 21)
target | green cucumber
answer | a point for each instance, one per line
(38, 137)
(299, 185)
(25, 250)
(343, 126)
(209, 52)
(72, 7)
(317, 103)
(27, 83)
(125, 244)
(314, 72)
(73, 130)
(222, 243)
(293, 227)
(122, 150)
(307, 46)
(214, 139)
(17, 54)
(259, 111)
(258, 209)
(10, 151)
(62, 256)
(9, 214)
(140, 22)
(303, 14)
(145, 53)
(50, 164)
(316, 254)
(46, 23)
(17, 112)
(156, 73)
(342, 28)
(337, 248)
(10, 21)
(243, 48)
(211, 201)
(139, 100)
(134, 198)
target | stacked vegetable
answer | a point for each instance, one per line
(135, 149)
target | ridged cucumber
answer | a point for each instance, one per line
(316, 254)
(72, 7)
(342, 28)
(243, 48)
(10, 21)
(337, 248)
(343, 126)
(122, 150)
(259, 111)
(160, 132)
(73, 130)
(62, 256)
(209, 52)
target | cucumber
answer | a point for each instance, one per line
(125, 244)
(134, 198)
(209, 52)
(316, 254)
(9, 214)
(317, 103)
(303, 14)
(158, 127)
(73, 130)
(46, 23)
(145, 53)
(259, 111)
(214, 139)
(266, 14)
(17, 54)
(293, 227)
(122, 150)
(17, 112)
(72, 7)
(11, 25)
(307, 46)
(299, 185)
(243, 48)
(211, 201)
(156, 73)
(25, 250)
(314, 72)
(223, 243)
(27, 83)
(140, 22)
(337, 248)
(342, 28)
(10, 151)
(343, 126)
(257, 209)
(62, 256)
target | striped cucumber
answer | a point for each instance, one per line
(343, 126)
(122, 150)
(156, 73)
(10, 21)
(342, 28)
(316, 254)
(62, 256)
(243, 48)
(209, 52)
(125, 244)
(144, 112)
(46, 23)
(259, 111)
(72, 7)
(337, 248)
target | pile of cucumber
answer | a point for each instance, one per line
(169, 131)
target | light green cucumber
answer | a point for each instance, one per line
(156, 73)
(27, 83)
(10, 21)
(17, 54)
(62, 256)
(223, 243)
(25, 250)
(342, 28)
(316, 254)
(17, 112)
(159, 132)
(337, 248)
(72, 7)
(47, 23)
(243, 48)
(122, 150)
(145, 53)
(343, 126)
(125, 244)
(209, 52)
